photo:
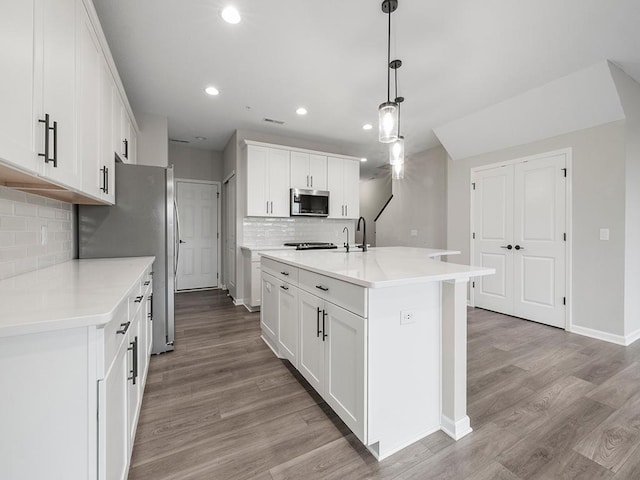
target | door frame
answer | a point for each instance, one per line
(568, 152)
(218, 224)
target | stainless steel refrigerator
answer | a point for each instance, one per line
(141, 223)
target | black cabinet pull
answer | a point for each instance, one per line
(324, 335)
(286, 274)
(147, 283)
(104, 179)
(318, 324)
(139, 298)
(133, 347)
(46, 138)
(55, 145)
(125, 327)
(323, 288)
(284, 287)
(126, 148)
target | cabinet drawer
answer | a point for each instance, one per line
(346, 295)
(281, 271)
(113, 339)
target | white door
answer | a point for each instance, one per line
(519, 225)
(198, 229)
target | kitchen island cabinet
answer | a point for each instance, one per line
(74, 351)
(382, 338)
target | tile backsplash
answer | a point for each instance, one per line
(22, 218)
(267, 232)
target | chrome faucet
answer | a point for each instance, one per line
(346, 244)
(364, 233)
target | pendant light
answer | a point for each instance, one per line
(388, 111)
(396, 152)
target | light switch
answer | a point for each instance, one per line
(604, 234)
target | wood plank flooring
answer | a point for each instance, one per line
(543, 403)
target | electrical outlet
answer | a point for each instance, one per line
(414, 233)
(604, 234)
(407, 317)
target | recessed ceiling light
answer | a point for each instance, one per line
(367, 126)
(212, 90)
(363, 159)
(301, 111)
(231, 15)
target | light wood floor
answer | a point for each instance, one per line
(543, 403)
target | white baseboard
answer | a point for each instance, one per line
(600, 335)
(632, 337)
(375, 448)
(455, 430)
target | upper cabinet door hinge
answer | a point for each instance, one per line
(217, 194)
(473, 185)
(474, 235)
(564, 235)
(473, 284)
(564, 170)
(564, 300)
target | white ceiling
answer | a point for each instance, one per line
(459, 56)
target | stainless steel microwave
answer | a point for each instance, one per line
(310, 203)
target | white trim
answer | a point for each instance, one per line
(455, 430)
(599, 335)
(219, 226)
(296, 149)
(568, 153)
(632, 337)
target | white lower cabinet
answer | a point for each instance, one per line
(332, 358)
(288, 322)
(269, 310)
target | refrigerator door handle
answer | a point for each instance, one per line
(177, 239)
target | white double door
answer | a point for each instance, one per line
(197, 249)
(519, 224)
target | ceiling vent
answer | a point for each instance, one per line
(176, 140)
(271, 120)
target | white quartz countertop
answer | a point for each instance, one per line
(256, 248)
(380, 266)
(73, 294)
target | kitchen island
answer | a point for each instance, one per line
(380, 335)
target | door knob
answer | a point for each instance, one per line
(508, 247)
(182, 241)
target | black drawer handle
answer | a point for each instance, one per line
(125, 327)
(323, 288)
(138, 298)
(284, 287)
(286, 274)
(147, 283)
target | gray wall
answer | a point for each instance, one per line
(419, 203)
(196, 164)
(153, 140)
(374, 193)
(598, 195)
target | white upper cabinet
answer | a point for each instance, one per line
(308, 171)
(55, 88)
(344, 187)
(267, 182)
(16, 84)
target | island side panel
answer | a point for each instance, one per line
(404, 366)
(455, 421)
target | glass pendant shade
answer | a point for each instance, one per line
(388, 122)
(397, 171)
(396, 152)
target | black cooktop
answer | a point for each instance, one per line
(311, 245)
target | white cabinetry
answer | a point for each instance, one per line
(269, 309)
(16, 94)
(344, 187)
(267, 182)
(76, 386)
(288, 322)
(308, 171)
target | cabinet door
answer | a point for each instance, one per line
(351, 188)
(57, 65)
(133, 378)
(278, 182)
(288, 322)
(269, 309)
(318, 172)
(257, 164)
(311, 352)
(133, 145)
(113, 432)
(16, 91)
(116, 122)
(125, 135)
(89, 107)
(107, 157)
(334, 185)
(299, 177)
(345, 357)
